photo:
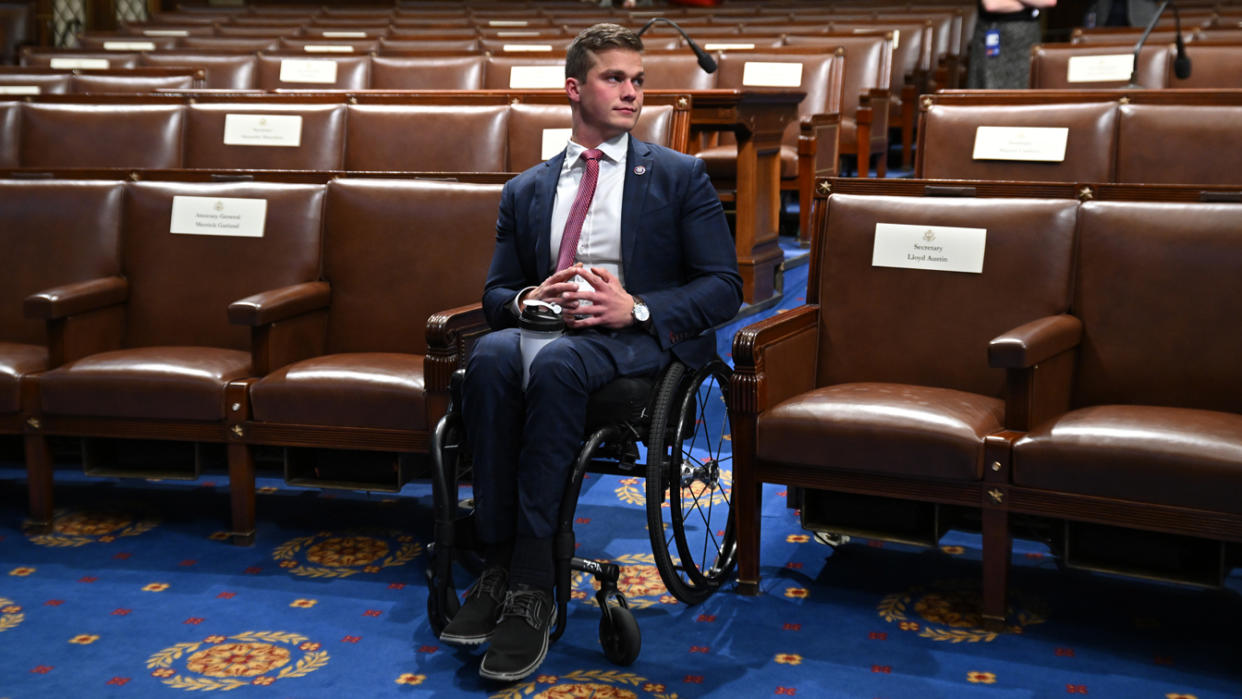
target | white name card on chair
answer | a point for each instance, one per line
(512, 34)
(129, 46)
(1045, 144)
(933, 248)
(165, 32)
(729, 46)
(508, 23)
(226, 216)
(554, 141)
(528, 48)
(771, 74)
(1100, 69)
(298, 70)
(19, 89)
(277, 130)
(328, 48)
(537, 76)
(344, 35)
(80, 63)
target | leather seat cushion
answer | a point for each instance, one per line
(17, 359)
(882, 428)
(360, 389)
(721, 161)
(173, 383)
(1170, 456)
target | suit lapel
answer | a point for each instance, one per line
(637, 176)
(541, 213)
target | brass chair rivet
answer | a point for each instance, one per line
(34, 422)
(1085, 194)
(824, 188)
(236, 407)
(996, 465)
(997, 496)
(237, 430)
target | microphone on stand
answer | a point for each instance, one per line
(1181, 64)
(706, 62)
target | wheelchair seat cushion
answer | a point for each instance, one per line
(620, 401)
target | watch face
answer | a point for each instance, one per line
(641, 313)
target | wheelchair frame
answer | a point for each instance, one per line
(675, 404)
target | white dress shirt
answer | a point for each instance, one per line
(599, 245)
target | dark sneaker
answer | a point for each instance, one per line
(476, 620)
(521, 640)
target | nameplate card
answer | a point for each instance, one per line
(771, 74)
(19, 89)
(226, 216)
(528, 48)
(79, 63)
(537, 77)
(1044, 144)
(129, 46)
(933, 248)
(328, 48)
(1100, 69)
(297, 70)
(512, 34)
(276, 130)
(727, 46)
(344, 35)
(508, 23)
(165, 32)
(554, 141)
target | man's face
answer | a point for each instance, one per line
(610, 98)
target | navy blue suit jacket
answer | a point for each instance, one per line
(677, 252)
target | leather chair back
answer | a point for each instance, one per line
(1050, 65)
(1188, 148)
(57, 58)
(388, 262)
(102, 135)
(136, 84)
(676, 70)
(1213, 66)
(427, 72)
(499, 72)
(948, 132)
(821, 80)
(1157, 285)
(180, 286)
(321, 144)
(424, 137)
(225, 71)
(10, 119)
(528, 123)
(352, 72)
(932, 328)
(55, 232)
(47, 83)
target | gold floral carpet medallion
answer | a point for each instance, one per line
(333, 555)
(948, 610)
(632, 491)
(588, 684)
(11, 614)
(228, 662)
(79, 528)
(640, 583)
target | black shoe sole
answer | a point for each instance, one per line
(468, 641)
(526, 671)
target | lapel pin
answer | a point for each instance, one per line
(640, 169)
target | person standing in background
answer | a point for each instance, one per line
(1000, 48)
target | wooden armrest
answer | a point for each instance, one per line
(450, 335)
(1034, 342)
(1039, 369)
(774, 359)
(280, 304)
(79, 297)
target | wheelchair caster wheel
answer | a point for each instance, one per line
(619, 635)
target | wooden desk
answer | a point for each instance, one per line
(757, 118)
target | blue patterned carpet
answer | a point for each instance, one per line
(135, 594)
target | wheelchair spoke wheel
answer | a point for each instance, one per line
(689, 487)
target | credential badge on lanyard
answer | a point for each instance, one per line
(991, 42)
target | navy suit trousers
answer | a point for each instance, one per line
(524, 441)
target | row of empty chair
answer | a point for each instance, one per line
(1095, 66)
(1007, 359)
(1127, 136)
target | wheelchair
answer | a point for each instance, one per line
(681, 419)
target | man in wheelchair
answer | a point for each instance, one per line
(630, 239)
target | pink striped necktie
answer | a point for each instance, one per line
(577, 213)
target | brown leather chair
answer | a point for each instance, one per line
(102, 135)
(159, 349)
(10, 150)
(107, 41)
(1148, 431)
(321, 142)
(1214, 65)
(1177, 144)
(807, 139)
(549, 46)
(397, 46)
(498, 73)
(62, 232)
(950, 125)
(352, 72)
(225, 70)
(880, 385)
(320, 45)
(1050, 65)
(73, 58)
(134, 84)
(427, 72)
(45, 81)
(404, 308)
(527, 123)
(427, 137)
(675, 70)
